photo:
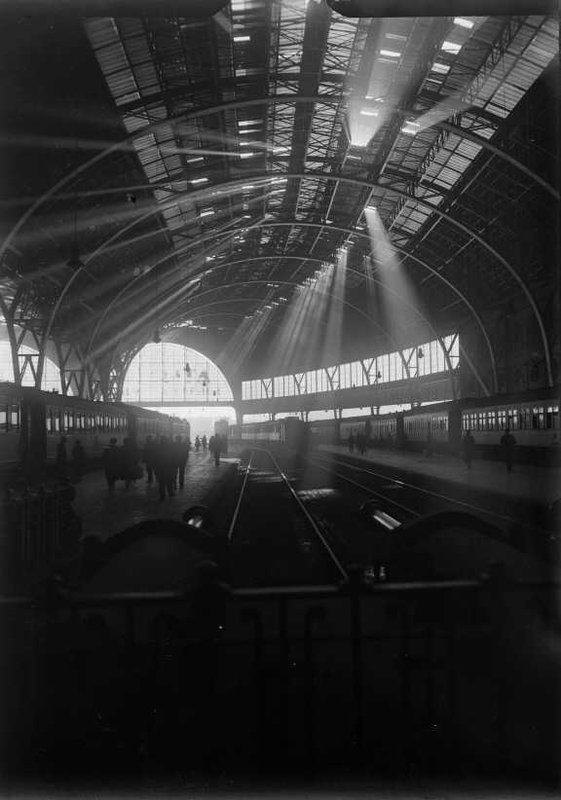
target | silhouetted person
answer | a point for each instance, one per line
(164, 467)
(78, 459)
(204, 441)
(61, 457)
(508, 443)
(215, 447)
(112, 463)
(129, 461)
(181, 454)
(468, 443)
(148, 455)
(197, 444)
(361, 443)
(429, 443)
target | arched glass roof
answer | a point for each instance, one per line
(166, 372)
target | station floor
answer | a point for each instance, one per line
(106, 513)
(541, 485)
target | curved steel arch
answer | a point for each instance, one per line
(350, 305)
(365, 184)
(297, 223)
(366, 316)
(217, 109)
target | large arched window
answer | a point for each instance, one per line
(51, 372)
(165, 372)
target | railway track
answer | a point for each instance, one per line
(391, 484)
(274, 540)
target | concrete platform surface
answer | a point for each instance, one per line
(526, 481)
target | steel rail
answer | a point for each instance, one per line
(235, 515)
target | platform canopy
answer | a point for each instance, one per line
(181, 178)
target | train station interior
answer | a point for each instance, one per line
(280, 376)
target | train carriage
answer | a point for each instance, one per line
(32, 422)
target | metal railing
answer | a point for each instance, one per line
(409, 673)
(37, 524)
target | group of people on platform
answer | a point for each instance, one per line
(165, 460)
(76, 464)
(359, 441)
(507, 446)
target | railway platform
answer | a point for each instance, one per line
(539, 485)
(106, 513)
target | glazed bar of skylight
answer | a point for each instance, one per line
(463, 22)
(451, 47)
(440, 68)
(390, 53)
(198, 180)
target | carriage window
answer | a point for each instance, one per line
(552, 417)
(538, 419)
(49, 420)
(14, 417)
(3, 417)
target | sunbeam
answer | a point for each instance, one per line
(398, 305)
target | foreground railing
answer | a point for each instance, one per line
(419, 675)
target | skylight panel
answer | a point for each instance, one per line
(441, 68)
(244, 123)
(411, 128)
(451, 47)
(390, 53)
(463, 22)
(242, 38)
(198, 180)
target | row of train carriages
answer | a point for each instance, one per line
(532, 417)
(32, 423)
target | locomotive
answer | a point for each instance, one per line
(32, 422)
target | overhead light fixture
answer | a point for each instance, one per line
(463, 22)
(242, 38)
(244, 123)
(369, 112)
(390, 53)
(207, 213)
(247, 155)
(198, 180)
(195, 160)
